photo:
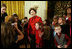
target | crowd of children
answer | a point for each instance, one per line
(37, 33)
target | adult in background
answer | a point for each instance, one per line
(3, 12)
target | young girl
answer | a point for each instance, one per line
(55, 21)
(7, 36)
(46, 35)
(64, 26)
(39, 34)
(25, 27)
(18, 30)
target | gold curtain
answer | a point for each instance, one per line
(14, 7)
(46, 8)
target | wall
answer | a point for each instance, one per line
(41, 11)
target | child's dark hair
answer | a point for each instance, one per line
(32, 9)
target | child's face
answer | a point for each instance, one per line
(37, 26)
(60, 20)
(58, 29)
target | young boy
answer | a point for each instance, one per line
(60, 39)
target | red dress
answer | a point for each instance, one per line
(38, 39)
(31, 26)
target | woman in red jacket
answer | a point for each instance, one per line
(31, 26)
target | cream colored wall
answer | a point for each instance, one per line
(41, 11)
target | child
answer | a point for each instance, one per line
(46, 35)
(18, 30)
(64, 26)
(55, 21)
(7, 36)
(25, 27)
(38, 35)
(61, 20)
(61, 40)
